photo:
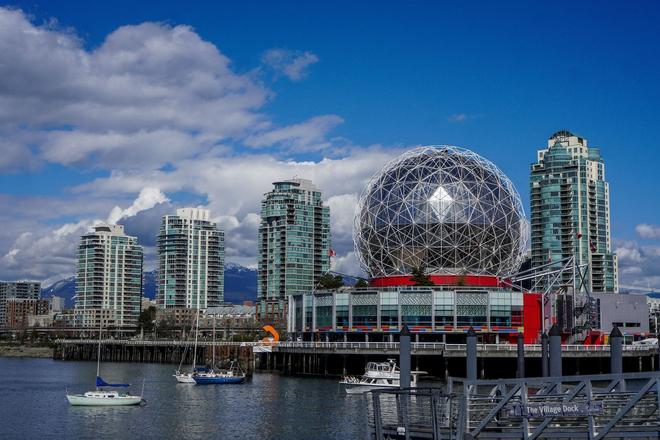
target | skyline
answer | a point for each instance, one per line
(92, 129)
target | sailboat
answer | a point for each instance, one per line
(102, 397)
(233, 374)
(187, 376)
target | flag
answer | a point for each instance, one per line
(579, 235)
(592, 246)
(332, 253)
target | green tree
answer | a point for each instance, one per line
(329, 281)
(147, 318)
(419, 278)
(361, 282)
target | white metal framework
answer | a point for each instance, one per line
(444, 209)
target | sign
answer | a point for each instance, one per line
(557, 409)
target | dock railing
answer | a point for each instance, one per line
(569, 407)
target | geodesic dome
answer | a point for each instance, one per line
(443, 209)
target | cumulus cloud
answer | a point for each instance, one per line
(48, 253)
(639, 265)
(292, 64)
(154, 109)
(149, 95)
(234, 186)
(648, 231)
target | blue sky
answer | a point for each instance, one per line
(327, 91)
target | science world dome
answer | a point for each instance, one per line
(443, 209)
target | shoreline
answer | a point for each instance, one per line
(25, 351)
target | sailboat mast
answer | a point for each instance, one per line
(98, 354)
(213, 362)
(196, 334)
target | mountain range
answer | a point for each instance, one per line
(240, 285)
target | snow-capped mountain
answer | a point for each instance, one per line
(240, 285)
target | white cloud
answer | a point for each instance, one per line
(348, 264)
(639, 265)
(149, 95)
(148, 198)
(648, 231)
(48, 253)
(292, 64)
(163, 111)
(307, 136)
(458, 117)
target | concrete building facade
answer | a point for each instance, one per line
(109, 279)
(16, 289)
(19, 310)
(191, 258)
(293, 245)
(570, 211)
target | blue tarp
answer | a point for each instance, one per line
(101, 383)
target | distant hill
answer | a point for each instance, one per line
(240, 285)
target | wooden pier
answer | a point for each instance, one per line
(153, 351)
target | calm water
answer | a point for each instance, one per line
(33, 405)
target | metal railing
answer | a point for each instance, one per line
(570, 407)
(411, 413)
(417, 346)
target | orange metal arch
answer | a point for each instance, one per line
(275, 335)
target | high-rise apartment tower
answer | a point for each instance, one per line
(294, 244)
(191, 258)
(109, 279)
(570, 211)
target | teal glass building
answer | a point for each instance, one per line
(191, 258)
(108, 279)
(570, 211)
(294, 245)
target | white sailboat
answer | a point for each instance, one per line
(187, 376)
(102, 397)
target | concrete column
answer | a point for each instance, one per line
(521, 356)
(404, 357)
(616, 351)
(555, 351)
(345, 337)
(544, 355)
(471, 354)
(391, 337)
(366, 338)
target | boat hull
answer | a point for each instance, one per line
(81, 400)
(206, 380)
(184, 378)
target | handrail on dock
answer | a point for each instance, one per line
(585, 406)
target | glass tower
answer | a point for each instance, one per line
(294, 244)
(191, 259)
(109, 278)
(570, 211)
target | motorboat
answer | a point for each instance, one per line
(377, 375)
